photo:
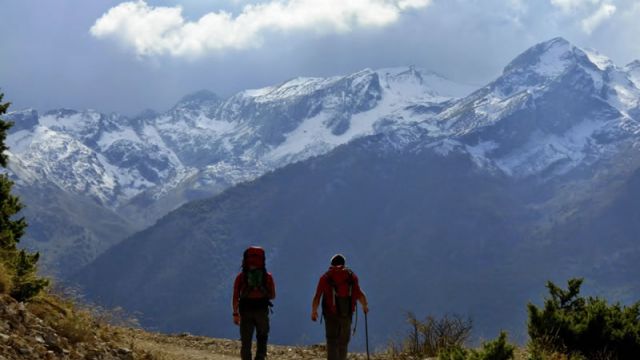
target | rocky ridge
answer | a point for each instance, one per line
(38, 331)
(204, 141)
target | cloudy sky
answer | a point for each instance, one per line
(128, 56)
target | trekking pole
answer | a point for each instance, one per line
(366, 333)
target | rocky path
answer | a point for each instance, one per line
(189, 347)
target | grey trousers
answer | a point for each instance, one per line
(251, 320)
(338, 332)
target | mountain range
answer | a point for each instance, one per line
(132, 171)
(444, 199)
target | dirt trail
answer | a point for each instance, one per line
(169, 351)
(190, 347)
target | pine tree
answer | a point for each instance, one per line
(19, 263)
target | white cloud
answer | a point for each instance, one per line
(604, 12)
(519, 6)
(590, 13)
(163, 30)
(571, 5)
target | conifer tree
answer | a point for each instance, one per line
(19, 263)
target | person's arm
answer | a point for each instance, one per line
(362, 297)
(236, 301)
(272, 287)
(316, 300)
(364, 302)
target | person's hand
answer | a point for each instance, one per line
(365, 308)
(314, 315)
(236, 318)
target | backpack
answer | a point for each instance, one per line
(253, 257)
(254, 284)
(254, 290)
(341, 299)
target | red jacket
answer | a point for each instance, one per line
(255, 293)
(341, 280)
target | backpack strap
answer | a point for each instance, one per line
(351, 283)
(244, 285)
(265, 288)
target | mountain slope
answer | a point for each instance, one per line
(70, 229)
(301, 214)
(458, 230)
(554, 107)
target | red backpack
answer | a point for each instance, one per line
(254, 283)
(254, 258)
(340, 298)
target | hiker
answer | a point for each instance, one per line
(339, 290)
(253, 291)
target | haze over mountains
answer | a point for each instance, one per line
(443, 201)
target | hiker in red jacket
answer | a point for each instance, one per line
(339, 290)
(253, 291)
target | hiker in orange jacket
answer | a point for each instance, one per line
(253, 291)
(339, 290)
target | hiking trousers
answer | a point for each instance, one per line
(251, 320)
(338, 332)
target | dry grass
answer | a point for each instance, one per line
(67, 318)
(6, 280)
(79, 322)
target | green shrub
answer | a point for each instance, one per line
(26, 284)
(453, 353)
(498, 349)
(587, 327)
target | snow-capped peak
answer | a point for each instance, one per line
(251, 132)
(296, 87)
(555, 57)
(633, 69)
(635, 64)
(602, 62)
(418, 82)
(544, 109)
(547, 59)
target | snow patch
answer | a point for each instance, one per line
(445, 147)
(599, 60)
(109, 138)
(20, 141)
(543, 150)
(554, 61)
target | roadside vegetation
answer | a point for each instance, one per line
(567, 327)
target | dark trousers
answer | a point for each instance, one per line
(251, 320)
(338, 332)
